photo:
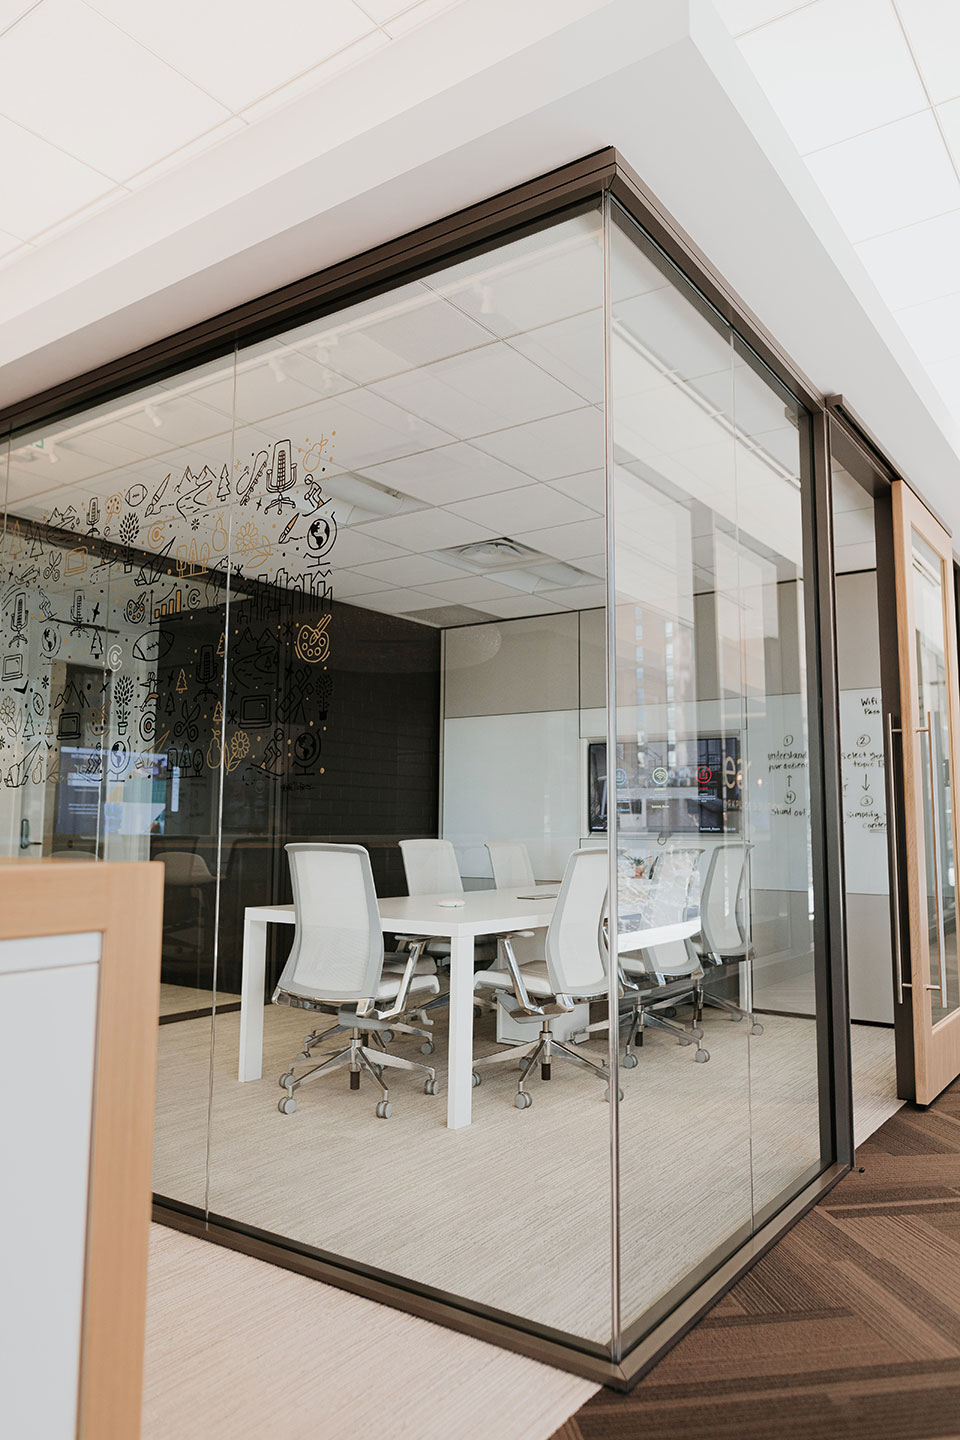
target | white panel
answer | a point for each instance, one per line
(227, 52)
(834, 70)
(45, 1124)
(894, 176)
(917, 263)
(146, 109)
(512, 777)
(933, 28)
(549, 449)
(451, 472)
(42, 952)
(528, 508)
(41, 185)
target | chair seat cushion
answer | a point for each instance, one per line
(535, 978)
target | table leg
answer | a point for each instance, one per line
(251, 998)
(460, 1061)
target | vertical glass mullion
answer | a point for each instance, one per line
(612, 818)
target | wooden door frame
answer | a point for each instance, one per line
(936, 1049)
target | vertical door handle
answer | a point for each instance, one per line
(935, 828)
(893, 831)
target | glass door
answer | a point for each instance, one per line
(927, 974)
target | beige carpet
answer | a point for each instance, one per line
(513, 1212)
(179, 999)
(239, 1350)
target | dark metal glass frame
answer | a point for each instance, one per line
(600, 178)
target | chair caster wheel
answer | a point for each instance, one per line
(736, 1019)
(756, 1028)
(476, 1079)
(427, 1048)
(702, 1056)
(304, 1055)
(384, 1109)
(287, 1080)
(386, 1036)
(431, 1087)
(522, 1100)
(606, 1094)
(287, 1105)
(579, 1039)
(670, 1013)
(629, 1062)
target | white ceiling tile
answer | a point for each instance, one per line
(382, 10)
(854, 527)
(418, 15)
(894, 176)
(580, 597)
(530, 282)
(352, 582)
(11, 11)
(426, 530)
(483, 390)
(933, 29)
(468, 591)
(549, 449)
(9, 243)
(567, 542)
(593, 564)
(835, 69)
(933, 329)
(571, 350)
(238, 57)
(395, 602)
(203, 143)
(412, 570)
(529, 508)
(97, 93)
(917, 263)
(40, 185)
(317, 76)
(589, 488)
(949, 116)
(361, 429)
(740, 15)
(513, 607)
(449, 473)
(355, 547)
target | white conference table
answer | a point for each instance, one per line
(483, 912)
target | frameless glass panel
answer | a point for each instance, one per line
(710, 789)
(933, 720)
(416, 529)
(114, 574)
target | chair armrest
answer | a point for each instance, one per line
(367, 1008)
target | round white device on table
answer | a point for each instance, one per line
(451, 904)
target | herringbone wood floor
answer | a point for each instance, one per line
(850, 1327)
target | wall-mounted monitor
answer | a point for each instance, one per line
(689, 786)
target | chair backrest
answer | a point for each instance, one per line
(722, 909)
(574, 949)
(431, 867)
(511, 864)
(184, 867)
(338, 945)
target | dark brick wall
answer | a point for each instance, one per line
(366, 771)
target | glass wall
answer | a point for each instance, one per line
(348, 585)
(713, 812)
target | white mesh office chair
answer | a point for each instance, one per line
(574, 970)
(662, 974)
(336, 966)
(724, 942)
(430, 867)
(510, 862)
